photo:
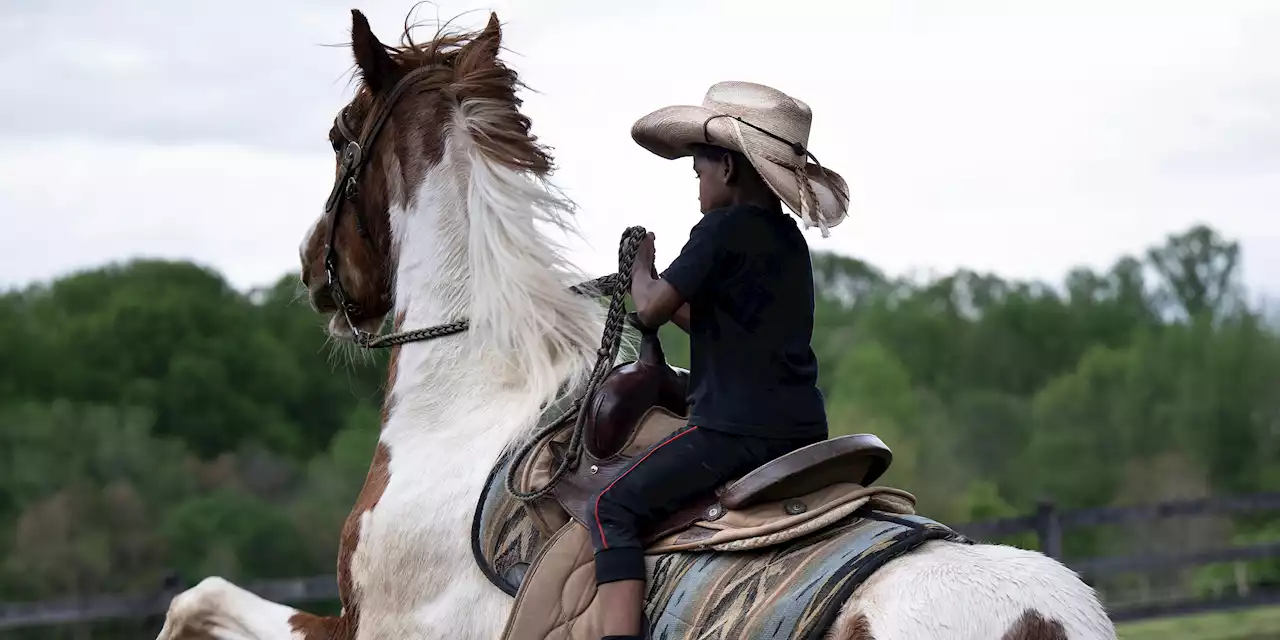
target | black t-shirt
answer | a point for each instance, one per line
(748, 279)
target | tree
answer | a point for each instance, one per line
(1200, 271)
(152, 417)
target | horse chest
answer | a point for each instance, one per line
(405, 557)
(412, 570)
(407, 536)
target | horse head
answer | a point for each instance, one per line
(386, 141)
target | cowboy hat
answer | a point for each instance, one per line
(767, 126)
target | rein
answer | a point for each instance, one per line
(610, 341)
(614, 285)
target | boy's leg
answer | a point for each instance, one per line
(681, 467)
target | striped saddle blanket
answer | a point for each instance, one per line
(780, 588)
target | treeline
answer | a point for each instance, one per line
(154, 419)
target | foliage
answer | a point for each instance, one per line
(154, 419)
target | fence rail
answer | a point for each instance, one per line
(1048, 523)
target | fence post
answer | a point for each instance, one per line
(1049, 529)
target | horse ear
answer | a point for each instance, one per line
(376, 66)
(485, 46)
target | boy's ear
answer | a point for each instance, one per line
(729, 168)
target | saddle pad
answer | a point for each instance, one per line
(792, 591)
(506, 535)
(504, 538)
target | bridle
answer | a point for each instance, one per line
(346, 186)
(355, 155)
(615, 286)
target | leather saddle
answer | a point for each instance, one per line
(642, 402)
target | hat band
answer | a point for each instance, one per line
(796, 147)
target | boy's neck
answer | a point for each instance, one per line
(768, 202)
(756, 193)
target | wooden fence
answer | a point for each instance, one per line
(1047, 523)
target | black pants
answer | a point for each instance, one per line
(686, 465)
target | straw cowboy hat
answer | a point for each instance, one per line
(770, 128)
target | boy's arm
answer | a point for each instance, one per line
(662, 299)
(681, 317)
(657, 301)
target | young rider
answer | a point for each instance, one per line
(742, 288)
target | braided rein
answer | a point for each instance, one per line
(608, 285)
(614, 285)
(610, 342)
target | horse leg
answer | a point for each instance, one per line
(972, 592)
(218, 610)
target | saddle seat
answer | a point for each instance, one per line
(858, 459)
(641, 403)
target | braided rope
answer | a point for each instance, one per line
(616, 286)
(430, 333)
(610, 342)
(603, 286)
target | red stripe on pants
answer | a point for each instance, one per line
(603, 542)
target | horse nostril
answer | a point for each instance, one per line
(322, 299)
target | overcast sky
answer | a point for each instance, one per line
(1018, 137)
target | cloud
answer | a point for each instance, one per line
(1002, 137)
(253, 73)
(240, 210)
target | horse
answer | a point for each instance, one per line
(440, 217)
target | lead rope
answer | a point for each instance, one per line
(617, 285)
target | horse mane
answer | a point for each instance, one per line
(521, 307)
(523, 317)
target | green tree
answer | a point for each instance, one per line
(154, 418)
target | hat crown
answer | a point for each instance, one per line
(762, 106)
(767, 126)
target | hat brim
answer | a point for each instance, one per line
(673, 132)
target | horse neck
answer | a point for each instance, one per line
(468, 248)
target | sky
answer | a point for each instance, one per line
(1018, 137)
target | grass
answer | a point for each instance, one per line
(1261, 623)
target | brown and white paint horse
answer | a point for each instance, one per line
(443, 228)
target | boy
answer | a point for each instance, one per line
(742, 288)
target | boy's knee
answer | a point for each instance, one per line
(608, 508)
(616, 564)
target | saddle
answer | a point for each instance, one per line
(640, 403)
(644, 401)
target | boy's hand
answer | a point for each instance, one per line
(644, 264)
(656, 300)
